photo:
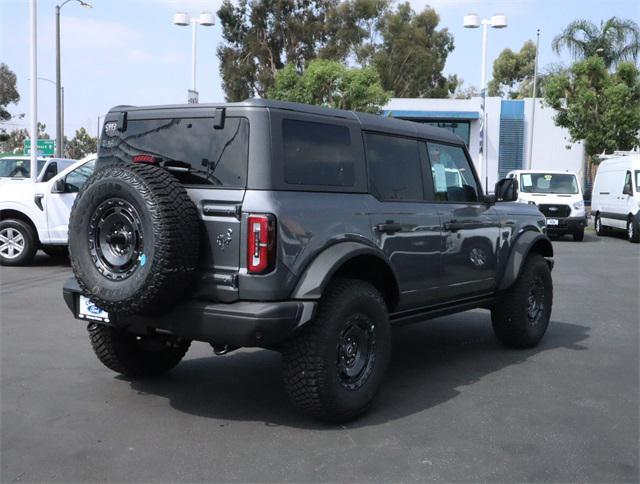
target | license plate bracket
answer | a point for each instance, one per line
(88, 310)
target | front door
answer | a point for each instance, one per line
(470, 232)
(406, 226)
(58, 205)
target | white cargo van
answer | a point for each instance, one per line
(558, 196)
(616, 195)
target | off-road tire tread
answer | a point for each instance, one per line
(509, 325)
(176, 233)
(303, 365)
(107, 343)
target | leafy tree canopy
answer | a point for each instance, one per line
(514, 71)
(596, 106)
(13, 142)
(614, 40)
(8, 92)
(80, 145)
(331, 84)
(263, 36)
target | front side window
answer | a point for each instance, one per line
(564, 183)
(628, 187)
(453, 179)
(394, 167)
(637, 180)
(195, 150)
(76, 179)
(317, 154)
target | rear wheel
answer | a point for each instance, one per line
(335, 365)
(633, 230)
(521, 316)
(18, 243)
(578, 235)
(134, 355)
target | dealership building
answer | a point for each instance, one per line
(507, 133)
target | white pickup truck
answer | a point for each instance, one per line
(35, 215)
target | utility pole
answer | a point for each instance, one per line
(33, 14)
(533, 106)
(58, 89)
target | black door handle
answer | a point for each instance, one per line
(453, 225)
(389, 227)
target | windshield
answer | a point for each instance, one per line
(548, 183)
(17, 168)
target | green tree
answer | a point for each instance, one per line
(596, 106)
(14, 140)
(262, 36)
(615, 40)
(80, 145)
(8, 91)
(331, 84)
(413, 53)
(513, 71)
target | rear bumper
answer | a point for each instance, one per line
(567, 225)
(242, 323)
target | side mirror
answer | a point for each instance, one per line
(506, 190)
(59, 186)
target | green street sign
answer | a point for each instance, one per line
(46, 147)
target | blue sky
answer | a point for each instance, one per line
(129, 52)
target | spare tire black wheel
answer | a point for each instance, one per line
(134, 239)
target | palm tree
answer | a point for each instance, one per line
(615, 40)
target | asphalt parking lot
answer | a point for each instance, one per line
(456, 406)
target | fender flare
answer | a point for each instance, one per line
(518, 254)
(319, 272)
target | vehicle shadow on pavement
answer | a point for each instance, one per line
(43, 260)
(431, 364)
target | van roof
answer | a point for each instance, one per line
(371, 122)
(626, 161)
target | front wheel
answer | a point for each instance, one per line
(633, 230)
(600, 229)
(18, 243)
(521, 316)
(135, 355)
(333, 368)
(578, 235)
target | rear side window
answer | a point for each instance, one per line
(394, 167)
(191, 148)
(317, 154)
(453, 180)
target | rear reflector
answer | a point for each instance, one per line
(260, 243)
(145, 159)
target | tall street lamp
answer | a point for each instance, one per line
(59, 100)
(62, 94)
(472, 21)
(182, 19)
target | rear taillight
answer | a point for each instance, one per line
(261, 243)
(145, 159)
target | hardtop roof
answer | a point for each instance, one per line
(367, 121)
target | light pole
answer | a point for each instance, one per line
(472, 21)
(59, 94)
(533, 107)
(182, 19)
(33, 87)
(61, 89)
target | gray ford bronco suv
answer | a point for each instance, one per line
(295, 228)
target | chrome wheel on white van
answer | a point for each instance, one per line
(633, 233)
(600, 230)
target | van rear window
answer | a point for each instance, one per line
(191, 148)
(317, 154)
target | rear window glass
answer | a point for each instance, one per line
(317, 154)
(394, 167)
(191, 148)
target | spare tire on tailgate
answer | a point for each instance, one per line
(134, 239)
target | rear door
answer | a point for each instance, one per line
(470, 232)
(209, 156)
(406, 226)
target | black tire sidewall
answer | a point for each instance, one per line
(30, 242)
(636, 230)
(99, 192)
(335, 394)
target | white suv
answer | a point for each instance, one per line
(558, 196)
(35, 215)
